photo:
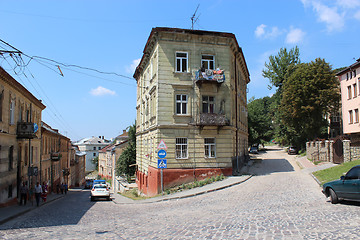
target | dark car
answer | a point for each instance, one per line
(254, 149)
(347, 187)
(88, 183)
(292, 150)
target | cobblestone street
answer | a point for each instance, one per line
(281, 201)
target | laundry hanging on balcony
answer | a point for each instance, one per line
(210, 75)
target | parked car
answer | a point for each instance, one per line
(88, 183)
(100, 191)
(347, 187)
(99, 181)
(254, 149)
(292, 150)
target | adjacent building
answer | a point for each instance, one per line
(20, 134)
(350, 100)
(55, 157)
(191, 98)
(77, 167)
(91, 147)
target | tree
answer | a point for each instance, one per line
(125, 165)
(277, 71)
(95, 161)
(310, 93)
(259, 120)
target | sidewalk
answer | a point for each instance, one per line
(228, 182)
(11, 212)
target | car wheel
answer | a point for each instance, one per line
(108, 198)
(333, 197)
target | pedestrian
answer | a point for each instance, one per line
(65, 188)
(23, 193)
(57, 188)
(44, 192)
(62, 188)
(38, 191)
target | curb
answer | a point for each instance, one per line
(190, 195)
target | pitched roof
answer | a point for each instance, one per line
(351, 67)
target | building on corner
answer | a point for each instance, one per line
(191, 95)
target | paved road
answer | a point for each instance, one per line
(280, 202)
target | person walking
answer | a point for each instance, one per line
(65, 188)
(38, 191)
(44, 192)
(62, 188)
(23, 193)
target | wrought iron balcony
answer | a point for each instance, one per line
(25, 130)
(212, 119)
(210, 76)
(55, 156)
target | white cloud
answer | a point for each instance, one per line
(261, 32)
(101, 91)
(294, 36)
(357, 15)
(131, 68)
(330, 16)
(348, 3)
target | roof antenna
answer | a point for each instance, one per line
(193, 20)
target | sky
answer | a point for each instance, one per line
(109, 36)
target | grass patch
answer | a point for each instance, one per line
(334, 173)
(195, 184)
(133, 194)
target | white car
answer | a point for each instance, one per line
(100, 191)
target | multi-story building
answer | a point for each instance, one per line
(20, 117)
(55, 157)
(191, 98)
(350, 100)
(77, 167)
(91, 146)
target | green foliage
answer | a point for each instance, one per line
(279, 66)
(260, 120)
(125, 165)
(309, 94)
(334, 173)
(95, 161)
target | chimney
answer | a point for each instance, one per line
(100, 137)
(124, 131)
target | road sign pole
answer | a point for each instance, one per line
(162, 184)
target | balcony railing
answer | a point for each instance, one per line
(212, 119)
(25, 130)
(210, 76)
(55, 156)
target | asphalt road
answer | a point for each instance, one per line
(280, 202)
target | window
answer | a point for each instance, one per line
(94, 154)
(1, 103)
(347, 76)
(356, 115)
(181, 104)
(350, 117)
(349, 92)
(210, 149)
(208, 104)
(181, 61)
(355, 90)
(99, 148)
(94, 148)
(350, 75)
(11, 157)
(208, 61)
(12, 112)
(181, 150)
(354, 173)
(354, 73)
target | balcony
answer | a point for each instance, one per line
(25, 130)
(210, 76)
(212, 119)
(55, 156)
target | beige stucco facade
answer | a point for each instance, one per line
(18, 151)
(203, 122)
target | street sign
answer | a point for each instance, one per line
(162, 153)
(36, 127)
(162, 145)
(162, 163)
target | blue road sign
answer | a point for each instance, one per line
(162, 153)
(162, 163)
